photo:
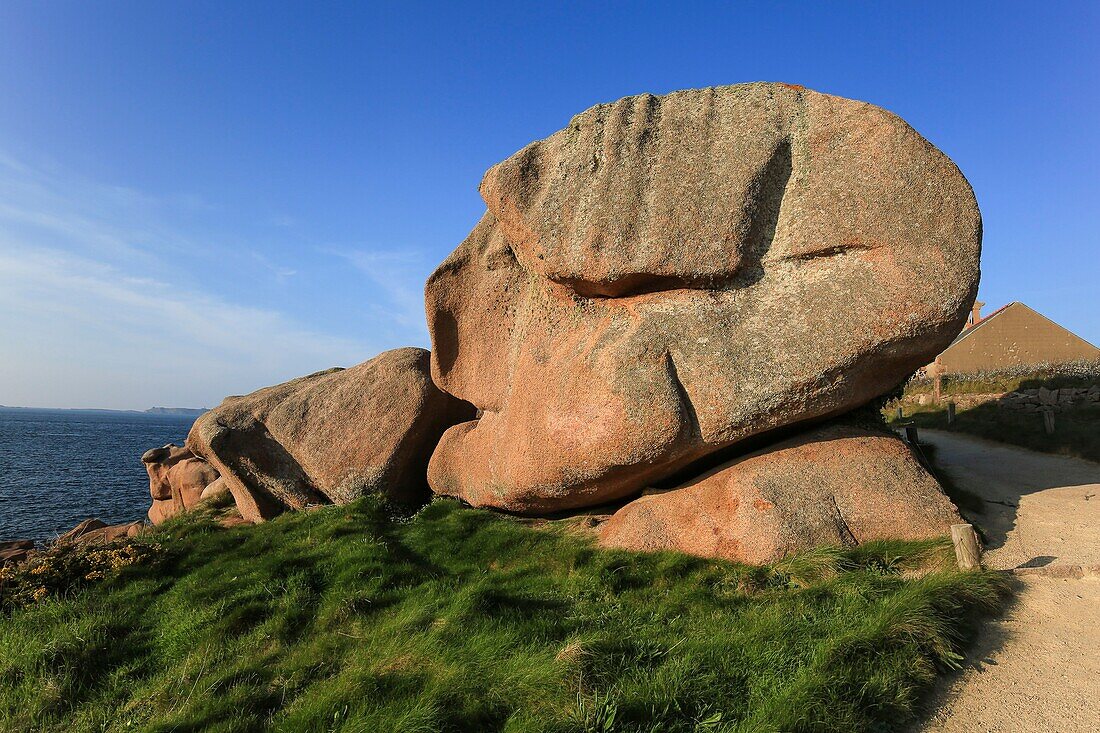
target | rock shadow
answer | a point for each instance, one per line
(1001, 475)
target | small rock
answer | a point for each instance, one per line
(177, 478)
(88, 525)
(94, 531)
(229, 522)
(14, 552)
(158, 462)
(215, 488)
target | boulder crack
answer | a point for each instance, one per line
(692, 423)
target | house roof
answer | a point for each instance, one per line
(966, 332)
(1014, 304)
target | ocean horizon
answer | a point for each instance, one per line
(59, 467)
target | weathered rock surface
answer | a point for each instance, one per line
(215, 488)
(189, 478)
(330, 437)
(162, 510)
(669, 276)
(834, 485)
(15, 551)
(96, 531)
(177, 479)
(158, 462)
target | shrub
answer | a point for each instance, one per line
(67, 567)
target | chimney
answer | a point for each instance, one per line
(976, 313)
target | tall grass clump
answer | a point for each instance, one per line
(356, 619)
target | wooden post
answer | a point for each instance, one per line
(901, 413)
(911, 435)
(967, 551)
(1048, 421)
(950, 413)
(936, 370)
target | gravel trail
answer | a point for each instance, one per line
(1038, 668)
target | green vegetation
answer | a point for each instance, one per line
(1051, 376)
(66, 568)
(1075, 433)
(356, 619)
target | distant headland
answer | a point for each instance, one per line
(181, 411)
(196, 411)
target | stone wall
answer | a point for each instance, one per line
(1027, 400)
(1034, 400)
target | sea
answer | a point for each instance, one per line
(60, 467)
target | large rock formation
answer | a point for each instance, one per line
(177, 479)
(836, 485)
(330, 437)
(670, 276)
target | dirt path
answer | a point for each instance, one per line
(1037, 669)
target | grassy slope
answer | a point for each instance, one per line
(345, 619)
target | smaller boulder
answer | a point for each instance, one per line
(188, 479)
(15, 552)
(215, 488)
(161, 510)
(330, 437)
(88, 525)
(840, 484)
(177, 478)
(158, 462)
(234, 521)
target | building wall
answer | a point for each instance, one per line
(1012, 336)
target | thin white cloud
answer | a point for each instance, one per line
(40, 204)
(165, 344)
(279, 271)
(399, 275)
(97, 310)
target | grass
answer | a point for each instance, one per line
(1075, 430)
(353, 619)
(1051, 376)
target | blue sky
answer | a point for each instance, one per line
(199, 199)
